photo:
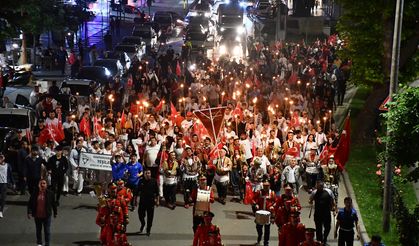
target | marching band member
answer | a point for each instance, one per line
(170, 167)
(293, 232)
(286, 204)
(207, 233)
(223, 166)
(191, 165)
(264, 200)
(197, 212)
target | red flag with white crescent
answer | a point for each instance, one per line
(342, 151)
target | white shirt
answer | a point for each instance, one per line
(247, 148)
(3, 173)
(151, 154)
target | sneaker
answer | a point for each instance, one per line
(1, 214)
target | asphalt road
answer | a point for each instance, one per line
(75, 224)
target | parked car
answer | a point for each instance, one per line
(164, 19)
(113, 65)
(80, 87)
(146, 33)
(99, 74)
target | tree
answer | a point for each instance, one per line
(403, 123)
(367, 29)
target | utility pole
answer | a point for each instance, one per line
(394, 73)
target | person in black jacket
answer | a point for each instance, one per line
(32, 165)
(149, 197)
(57, 166)
(41, 206)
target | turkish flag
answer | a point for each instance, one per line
(327, 151)
(342, 151)
(123, 119)
(175, 116)
(212, 119)
(85, 127)
(159, 106)
(97, 127)
(293, 79)
(51, 132)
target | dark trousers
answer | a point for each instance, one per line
(259, 229)
(188, 186)
(3, 194)
(346, 238)
(143, 211)
(21, 184)
(57, 187)
(169, 193)
(311, 180)
(235, 183)
(221, 190)
(46, 224)
(322, 221)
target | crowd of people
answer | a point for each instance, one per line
(275, 139)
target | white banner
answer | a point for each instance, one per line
(95, 161)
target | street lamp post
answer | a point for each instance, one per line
(394, 73)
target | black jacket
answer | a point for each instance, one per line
(149, 191)
(50, 204)
(57, 171)
(32, 168)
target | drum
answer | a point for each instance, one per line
(262, 217)
(202, 202)
(169, 180)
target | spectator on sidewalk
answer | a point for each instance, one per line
(6, 179)
(93, 55)
(41, 206)
(61, 59)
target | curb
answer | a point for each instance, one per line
(350, 192)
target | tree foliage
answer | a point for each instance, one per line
(402, 122)
(367, 27)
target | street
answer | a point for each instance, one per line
(75, 224)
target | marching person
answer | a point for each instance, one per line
(286, 204)
(223, 166)
(6, 178)
(149, 197)
(207, 233)
(311, 162)
(33, 169)
(191, 165)
(57, 167)
(74, 159)
(264, 200)
(170, 167)
(41, 206)
(198, 210)
(119, 168)
(310, 238)
(324, 203)
(346, 220)
(135, 172)
(292, 233)
(291, 176)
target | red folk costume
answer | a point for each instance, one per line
(195, 194)
(207, 235)
(285, 205)
(265, 200)
(291, 235)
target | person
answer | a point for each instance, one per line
(149, 197)
(33, 167)
(223, 166)
(324, 201)
(207, 233)
(57, 166)
(135, 173)
(74, 159)
(112, 217)
(292, 233)
(170, 167)
(190, 167)
(201, 208)
(309, 236)
(291, 176)
(346, 220)
(150, 156)
(264, 200)
(61, 59)
(41, 206)
(118, 167)
(286, 204)
(311, 162)
(6, 178)
(375, 241)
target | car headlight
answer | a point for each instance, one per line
(240, 29)
(223, 50)
(107, 72)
